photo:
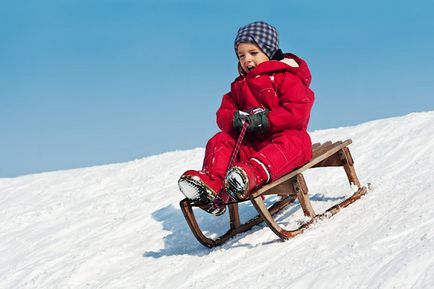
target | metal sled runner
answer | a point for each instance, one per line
(290, 187)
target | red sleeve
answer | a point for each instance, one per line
(225, 114)
(295, 104)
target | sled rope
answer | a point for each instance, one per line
(237, 146)
(222, 197)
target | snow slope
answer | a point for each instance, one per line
(120, 226)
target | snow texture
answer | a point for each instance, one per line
(120, 225)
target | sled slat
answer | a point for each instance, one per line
(324, 148)
(315, 146)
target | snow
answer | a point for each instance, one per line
(120, 226)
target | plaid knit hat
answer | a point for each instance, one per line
(260, 33)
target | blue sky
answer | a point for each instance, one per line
(90, 82)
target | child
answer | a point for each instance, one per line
(272, 94)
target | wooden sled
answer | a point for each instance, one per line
(290, 187)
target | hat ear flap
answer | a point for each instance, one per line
(241, 70)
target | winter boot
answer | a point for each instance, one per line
(243, 178)
(200, 188)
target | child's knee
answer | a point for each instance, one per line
(221, 138)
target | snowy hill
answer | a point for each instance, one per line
(120, 226)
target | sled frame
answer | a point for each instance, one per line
(290, 187)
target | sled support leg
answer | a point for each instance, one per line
(300, 188)
(234, 216)
(348, 164)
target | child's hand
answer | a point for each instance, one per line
(258, 121)
(239, 119)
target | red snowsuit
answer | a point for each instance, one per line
(282, 89)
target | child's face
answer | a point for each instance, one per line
(250, 56)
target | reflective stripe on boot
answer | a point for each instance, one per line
(245, 177)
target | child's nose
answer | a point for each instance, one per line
(248, 60)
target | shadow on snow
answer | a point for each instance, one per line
(181, 241)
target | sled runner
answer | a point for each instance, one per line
(289, 188)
